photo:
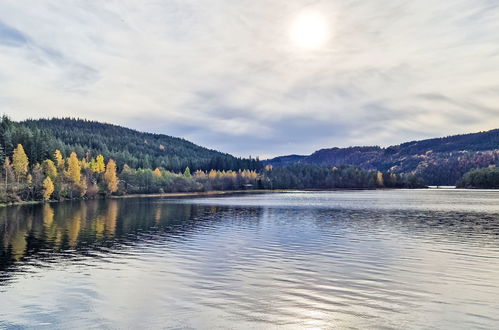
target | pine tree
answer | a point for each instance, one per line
(187, 173)
(110, 177)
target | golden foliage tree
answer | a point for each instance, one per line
(74, 169)
(49, 169)
(93, 165)
(213, 175)
(100, 167)
(20, 162)
(110, 177)
(84, 164)
(379, 179)
(48, 188)
(157, 173)
(59, 159)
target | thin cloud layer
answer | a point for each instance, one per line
(225, 74)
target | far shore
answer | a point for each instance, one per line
(201, 193)
(164, 195)
(193, 194)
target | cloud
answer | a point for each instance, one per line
(225, 74)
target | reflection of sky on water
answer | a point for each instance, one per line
(160, 263)
(401, 199)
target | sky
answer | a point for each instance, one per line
(256, 77)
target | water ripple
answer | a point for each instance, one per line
(376, 259)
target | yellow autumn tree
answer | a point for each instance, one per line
(212, 175)
(84, 164)
(49, 169)
(20, 162)
(92, 165)
(100, 167)
(379, 179)
(48, 188)
(59, 159)
(74, 169)
(110, 177)
(157, 173)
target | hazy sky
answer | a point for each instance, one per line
(231, 75)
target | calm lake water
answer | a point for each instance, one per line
(397, 259)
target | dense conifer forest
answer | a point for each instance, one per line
(57, 159)
(439, 161)
(126, 146)
(483, 178)
(61, 159)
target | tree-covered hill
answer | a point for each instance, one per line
(438, 161)
(67, 158)
(137, 149)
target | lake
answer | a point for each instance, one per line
(382, 259)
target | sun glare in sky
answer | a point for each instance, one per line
(310, 30)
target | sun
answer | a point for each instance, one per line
(310, 30)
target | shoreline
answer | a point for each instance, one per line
(156, 195)
(199, 193)
(213, 193)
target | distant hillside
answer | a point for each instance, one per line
(438, 161)
(286, 160)
(137, 149)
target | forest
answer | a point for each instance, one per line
(40, 138)
(58, 159)
(439, 161)
(482, 178)
(61, 178)
(305, 176)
